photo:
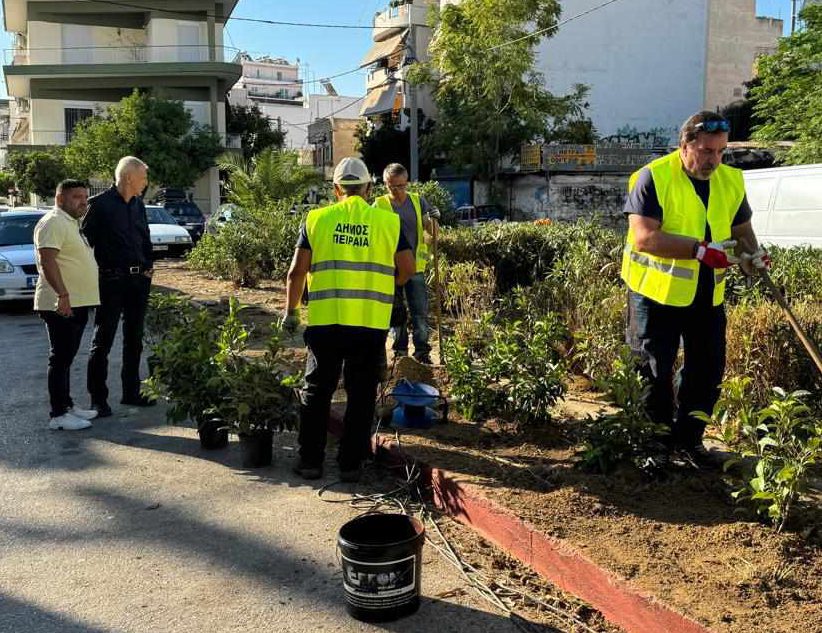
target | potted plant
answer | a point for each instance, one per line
(188, 377)
(165, 310)
(259, 399)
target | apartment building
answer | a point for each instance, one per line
(74, 57)
(276, 86)
(333, 139)
(401, 35)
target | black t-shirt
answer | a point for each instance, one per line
(642, 200)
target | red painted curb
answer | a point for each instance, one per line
(553, 559)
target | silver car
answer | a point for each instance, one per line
(18, 264)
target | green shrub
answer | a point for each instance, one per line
(508, 369)
(627, 435)
(781, 442)
(256, 244)
(796, 271)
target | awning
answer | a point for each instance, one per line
(386, 48)
(381, 100)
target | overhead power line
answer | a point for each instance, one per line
(553, 27)
(145, 7)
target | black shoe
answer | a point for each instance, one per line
(351, 475)
(139, 401)
(701, 458)
(103, 410)
(424, 359)
(308, 472)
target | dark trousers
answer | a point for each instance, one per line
(654, 334)
(359, 354)
(64, 334)
(126, 296)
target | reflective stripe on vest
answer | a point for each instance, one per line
(351, 279)
(670, 281)
(421, 253)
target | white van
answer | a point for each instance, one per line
(787, 204)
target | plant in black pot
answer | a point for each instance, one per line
(165, 310)
(187, 375)
(259, 399)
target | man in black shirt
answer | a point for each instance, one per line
(116, 227)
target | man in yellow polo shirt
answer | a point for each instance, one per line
(353, 256)
(689, 221)
(66, 289)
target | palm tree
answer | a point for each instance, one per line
(269, 179)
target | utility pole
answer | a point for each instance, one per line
(414, 167)
(796, 7)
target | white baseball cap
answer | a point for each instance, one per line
(351, 171)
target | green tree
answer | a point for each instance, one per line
(6, 182)
(788, 99)
(159, 131)
(380, 146)
(270, 177)
(490, 99)
(38, 172)
(254, 129)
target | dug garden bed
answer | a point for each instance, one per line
(680, 539)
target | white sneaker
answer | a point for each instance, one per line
(83, 414)
(68, 422)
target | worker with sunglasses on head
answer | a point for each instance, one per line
(689, 222)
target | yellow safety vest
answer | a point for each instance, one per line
(673, 282)
(384, 202)
(351, 281)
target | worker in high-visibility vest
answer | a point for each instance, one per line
(689, 221)
(353, 256)
(416, 217)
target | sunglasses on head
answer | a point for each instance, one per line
(713, 126)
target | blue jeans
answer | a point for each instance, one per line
(654, 334)
(416, 293)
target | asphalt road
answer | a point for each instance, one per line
(130, 526)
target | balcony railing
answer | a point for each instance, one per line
(398, 18)
(117, 54)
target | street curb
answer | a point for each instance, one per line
(555, 560)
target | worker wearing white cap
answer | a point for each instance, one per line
(353, 255)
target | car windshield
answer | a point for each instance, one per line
(158, 215)
(18, 231)
(184, 209)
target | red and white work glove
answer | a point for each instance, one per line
(751, 262)
(717, 254)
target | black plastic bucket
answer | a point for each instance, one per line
(381, 557)
(213, 435)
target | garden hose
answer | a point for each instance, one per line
(810, 346)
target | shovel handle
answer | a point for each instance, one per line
(810, 346)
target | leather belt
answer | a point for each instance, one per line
(130, 270)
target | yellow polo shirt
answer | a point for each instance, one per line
(58, 230)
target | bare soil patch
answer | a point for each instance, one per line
(681, 539)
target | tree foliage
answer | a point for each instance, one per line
(254, 129)
(489, 97)
(38, 172)
(159, 131)
(268, 178)
(789, 97)
(383, 145)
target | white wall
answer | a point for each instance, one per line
(644, 61)
(295, 118)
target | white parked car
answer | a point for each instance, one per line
(18, 264)
(168, 238)
(786, 204)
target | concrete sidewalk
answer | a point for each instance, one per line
(129, 526)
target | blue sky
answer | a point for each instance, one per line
(330, 51)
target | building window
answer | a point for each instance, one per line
(72, 117)
(279, 75)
